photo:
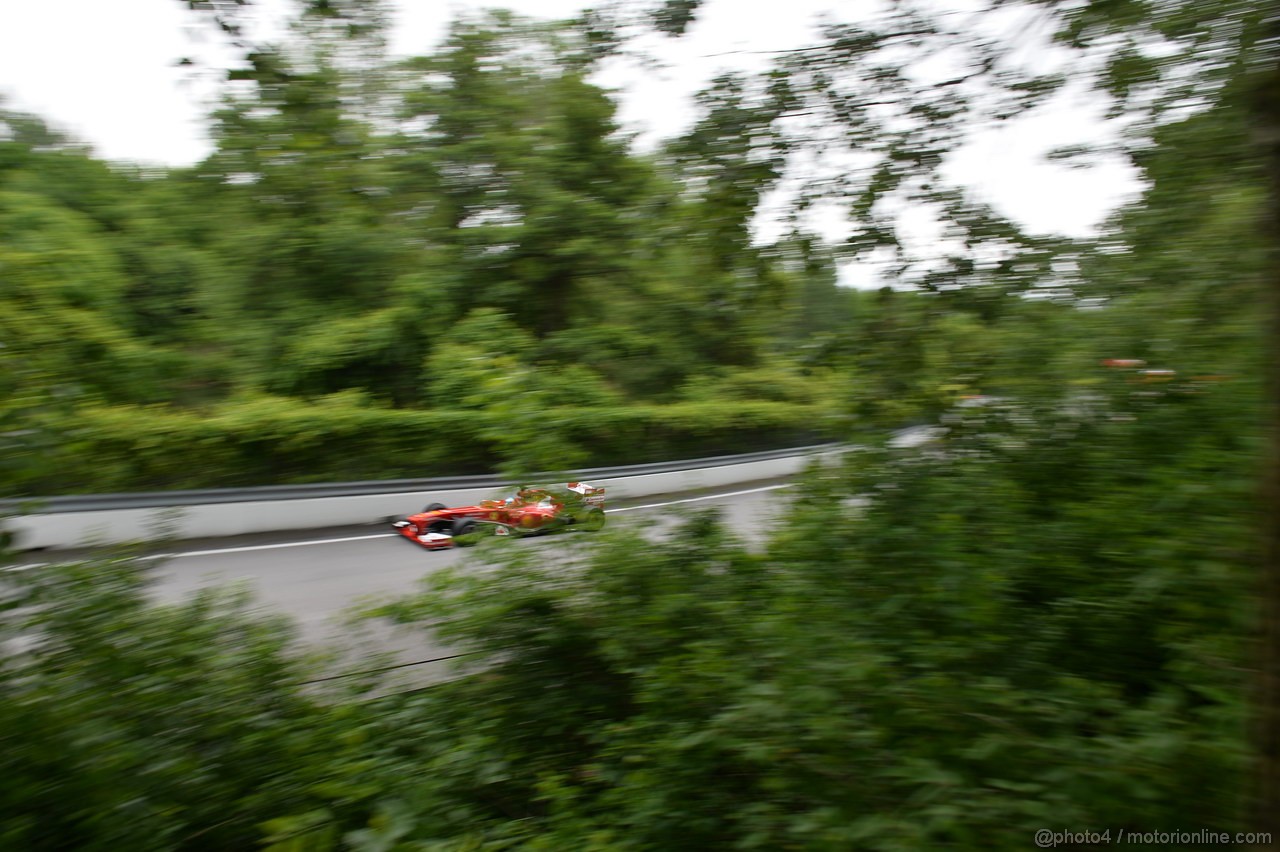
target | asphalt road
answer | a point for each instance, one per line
(317, 578)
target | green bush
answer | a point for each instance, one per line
(132, 725)
(274, 440)
(266, 441)
(779, 382)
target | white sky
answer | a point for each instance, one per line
(105, 72)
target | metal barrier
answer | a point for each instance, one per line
(70, 521)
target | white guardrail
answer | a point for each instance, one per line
(66, 522)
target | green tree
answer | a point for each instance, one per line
(524, 177)
(323, 277)
(63, 310)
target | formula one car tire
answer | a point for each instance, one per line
(435, 507)
(466, 532)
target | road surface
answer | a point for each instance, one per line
(317, 578)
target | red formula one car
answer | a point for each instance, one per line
(531, 510)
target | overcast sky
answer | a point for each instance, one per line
(105, 72)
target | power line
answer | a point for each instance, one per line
(386, 668)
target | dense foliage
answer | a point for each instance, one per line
(1044, 618)
(465, 231)
(1039, 621)
(274, 440)
(991, 640)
